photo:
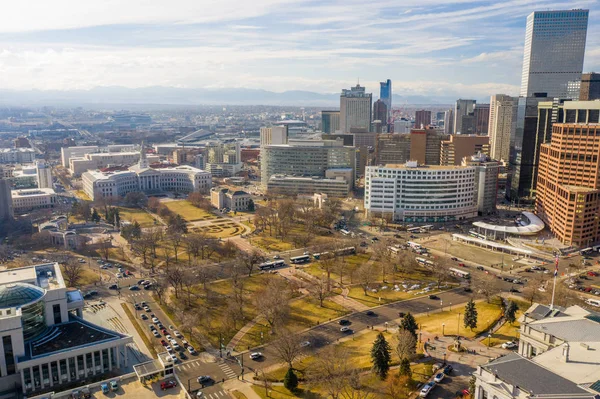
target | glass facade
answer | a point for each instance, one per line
(33, 320)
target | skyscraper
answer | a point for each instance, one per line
(330, 121)
(590, 87)
(464, 119)
(554, 50)
(422, 119)
(6, 206)
(385, 94)
(355, 109)
(482, 119)
(380, 113)
(503, 112)
(44, 174)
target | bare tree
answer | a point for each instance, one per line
(160, 287)
(176, 241)
(441, 273)
(188, 282)
(532, 291)
(272, 302)
(105, 246)
(408, 263)
(250, 260)
(487, 286)
(365, 277)
(73, 272)
(175, 277)
(331, 370)
(287, 347)
(398, 386)
(319, 288)
(406, 346)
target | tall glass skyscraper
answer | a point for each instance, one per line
(385, 94)
(554, 50)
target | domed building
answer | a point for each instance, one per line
(44, 341)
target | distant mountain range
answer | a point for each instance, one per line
(181, 96)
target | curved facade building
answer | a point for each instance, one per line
(29, 299)
(412, 193)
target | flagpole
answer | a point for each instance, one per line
(555, 274)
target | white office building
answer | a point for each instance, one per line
(554, 51)
(140, 177)
(273, 135)
(45, 344)
(356, 109)
(29, 200)
(17, 155)
(413, 193)
(44, 174)
(79, 152)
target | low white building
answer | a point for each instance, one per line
(17, 155)
(29, 200)
(80, 151)
(234, 200)
(141, 177)
(100, 160)
(45, 343)
(413, 193)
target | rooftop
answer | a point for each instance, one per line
(32, 193)
(531, 377)
(578, 189)
(423, 167)
(569, 328)
(46, 275)
(19, 294)
(535, 226)
(583, 366)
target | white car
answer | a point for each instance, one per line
(509, 345)
(345, 329)
(155, 320)
(256, 355)
(173, 358)
(176, 346)
(177, 334)
(168, 337)
(304, 344)
(155, 333)
(426, 389)
(191, 350)
(168, 348)
(439, 377)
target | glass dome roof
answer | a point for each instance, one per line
(19, 294)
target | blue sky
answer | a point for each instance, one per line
(427, 47)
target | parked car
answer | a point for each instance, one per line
(155, 333)
(480, 268)
(370, 313)
(439, 377)
(143, 317)
(509, 345)
(163, 342)
(345, 329)
(344, 322)
(168, 384)
(448, 369)
(104, 387)
(256, 355)
(426, 389)
(134, 288)
(191, 350)
(434, 297)
(114, 385)
(454, 259)
(113, 287)
(177, 333)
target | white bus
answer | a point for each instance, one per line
(414, 245)
(460, 273)
(394, 250)
(345, 232)
(586, 251)
(593, 302)
(413, 229)
(272, 265)
(300, 259)
(421, 261)
(596, 248)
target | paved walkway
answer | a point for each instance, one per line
(244, 387)
(349, 303)
(240, 334)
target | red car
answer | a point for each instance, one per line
(168, 384)
(461, 265)
(164, 331)
(163, 342)
(592, 274)
(128, 273)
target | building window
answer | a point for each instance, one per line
(57, 314)
(9, 354)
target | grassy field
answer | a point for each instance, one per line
(220, 229)
(304, 312)
(351, 263)
(82, 195)
(188, 211)
(488, 313)
(386, 296)
(135, 214)
(507, 332)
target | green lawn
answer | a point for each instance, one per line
(488, 313)
(507, 332)
(135, 214)
(388, 295)
(188, 211)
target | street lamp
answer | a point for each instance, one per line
(444, 357)
(442, 305)
(489, 341)
(443, 326)
(386, 326)
(458, 326)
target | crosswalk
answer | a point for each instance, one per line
(217, 395)
(189, 365)
(227, 370)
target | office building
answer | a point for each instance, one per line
(46, 344)
(385, 94)
(557, 358)
(22, 142)
(30, 200)
(225, 159)
(482, 119)
(380, 114)
(355, 109)
(273, 135)
(100, 160)
(412, 193)
(422, 119)
(392, 149)
(568, 183)
(590, 87)
(425, 145)
(79, 152)
(140, 177)
(6, 208)
(464, 117)
(305, 185)
(44, 174)
(458, 146)
(402, 125)
(17, 155)
(235, 201)
(486, 181)
(306, 159)
(503, 118)
(449, 122)
(554, 51)
(330, 121)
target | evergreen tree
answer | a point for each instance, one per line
(117, 218)
(251, 205)
(405, 367)
(381, 356)
(95, 216)
(510, 313)
(470, 318)
(136, 232)
(472, 383)
(409, 324)
(290, 381)
(177, 224)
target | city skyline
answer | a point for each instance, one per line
(432, 47)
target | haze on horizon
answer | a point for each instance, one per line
(427, 47)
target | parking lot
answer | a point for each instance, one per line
(133, 389)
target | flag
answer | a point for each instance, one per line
(556, 265)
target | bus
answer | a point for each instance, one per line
(319, 255)
(300, 259)
(345, 251)
(414, 229)
(345, 232)
(429, 263)
(414, 245)
(475, 234)
(585, 251)
(460, 273)
(421, 261)
(596, 248)
(593, 302)
(425, 229)
(272, 265)
(394, 250)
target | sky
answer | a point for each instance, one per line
(427, 47)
